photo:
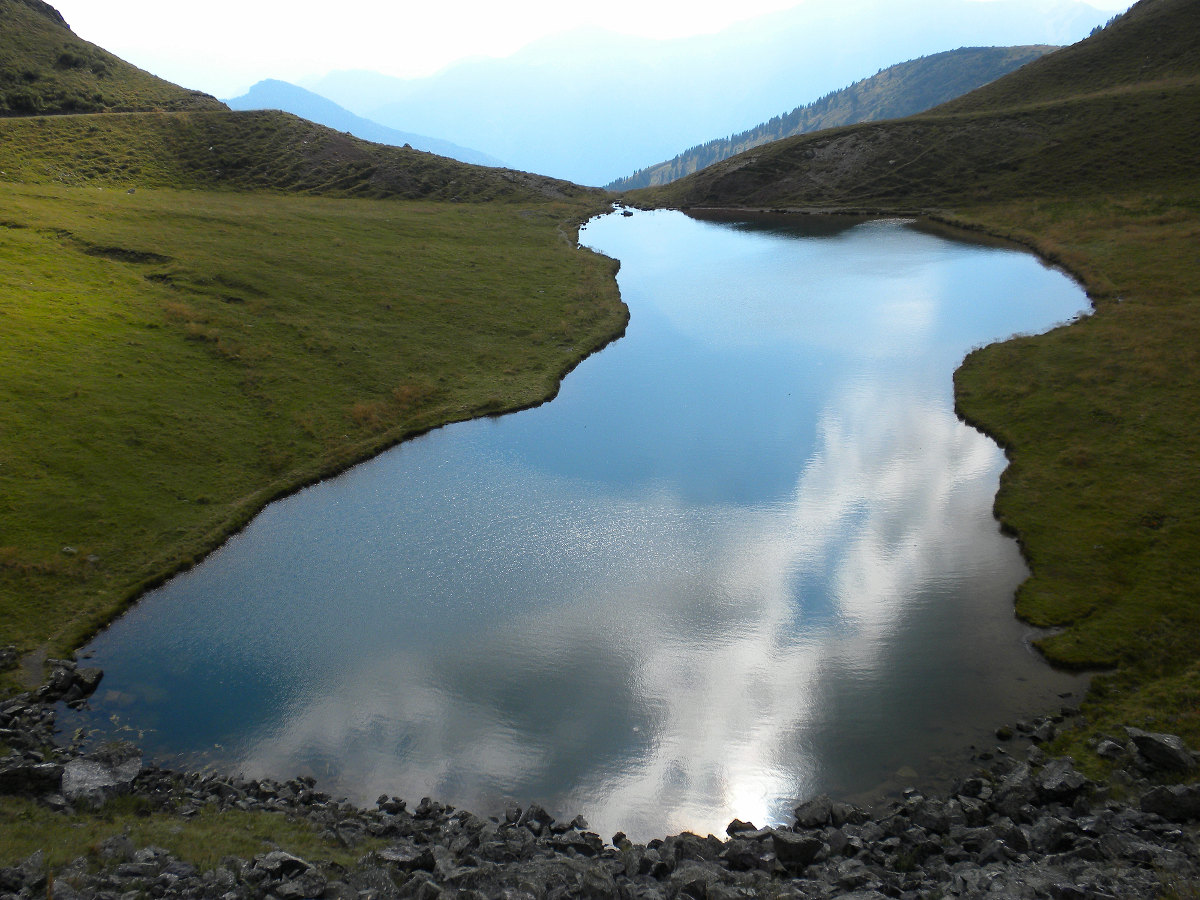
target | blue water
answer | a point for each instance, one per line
(745, 556)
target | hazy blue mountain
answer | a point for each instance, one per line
(593, 106)
(900, 90)
(272, 94)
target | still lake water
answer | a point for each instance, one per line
(746, 556)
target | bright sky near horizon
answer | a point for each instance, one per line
(225, 46)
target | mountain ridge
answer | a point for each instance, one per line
(899, 90)
(599, 115)
(247, 151)
(281, 95)
(45, 68)
(998, 141)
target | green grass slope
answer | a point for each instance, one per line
(900, 90)
(202, 310)
(1152, 42)
(170, 361)
(1136, 134)
(264, 150)
(45, 68)
(1089, 156)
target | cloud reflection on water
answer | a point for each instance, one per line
(776, 573)
(739, 614)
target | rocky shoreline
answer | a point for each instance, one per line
(1018, 827)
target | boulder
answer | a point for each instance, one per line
(280, 865)
(30, 779)
(796, 851)
(409, 857)
(737, 826)
(815, 813)
(1059, 780)
(1176, 802)
(1163, 751)
(104, 774)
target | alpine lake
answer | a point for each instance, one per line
(746, 556)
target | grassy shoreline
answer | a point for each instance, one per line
(1098, 419)
(271, 341)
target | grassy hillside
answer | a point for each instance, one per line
(1153, 42)
(172, 360)
(264, 150)
(45, 68)
(201, 310)
(1089, 156)
(896, 91)
(1138, 134)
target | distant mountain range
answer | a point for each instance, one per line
(281, 95)
(901, 90)
(593, 106)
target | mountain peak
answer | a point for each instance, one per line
(46, 10)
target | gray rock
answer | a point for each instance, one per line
(93, 782)
(1176, 802)
(796, 851)
(1059, 780)
(931, 815)
(1163, 751)
(598, 884)
(30, 779)
(737, 826)
(278, 864)
(306, 885)
(1111, 750)
(87, 680)
(1016, 790)
(1044, 733)
(409, 857)
(692, 879)
(815, 813)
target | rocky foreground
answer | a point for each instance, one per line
(1032, 827)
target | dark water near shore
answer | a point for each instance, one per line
(746, 556)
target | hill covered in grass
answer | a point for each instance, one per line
(242, 151)
(899, 90)
(202, 310)
(46, 69)
(1120, 108)
(1089, 156)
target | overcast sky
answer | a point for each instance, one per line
(224, 46)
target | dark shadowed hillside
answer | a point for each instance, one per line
(247, 151)
(45, 68)
(1119, 108)
(1152, 42)
(901, 90)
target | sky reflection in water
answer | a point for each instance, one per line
(746, 556)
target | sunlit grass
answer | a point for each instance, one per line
(1102, 425)
(172, 360)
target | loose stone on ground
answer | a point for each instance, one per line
(1032, 828)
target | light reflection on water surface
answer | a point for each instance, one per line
(747, 555)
